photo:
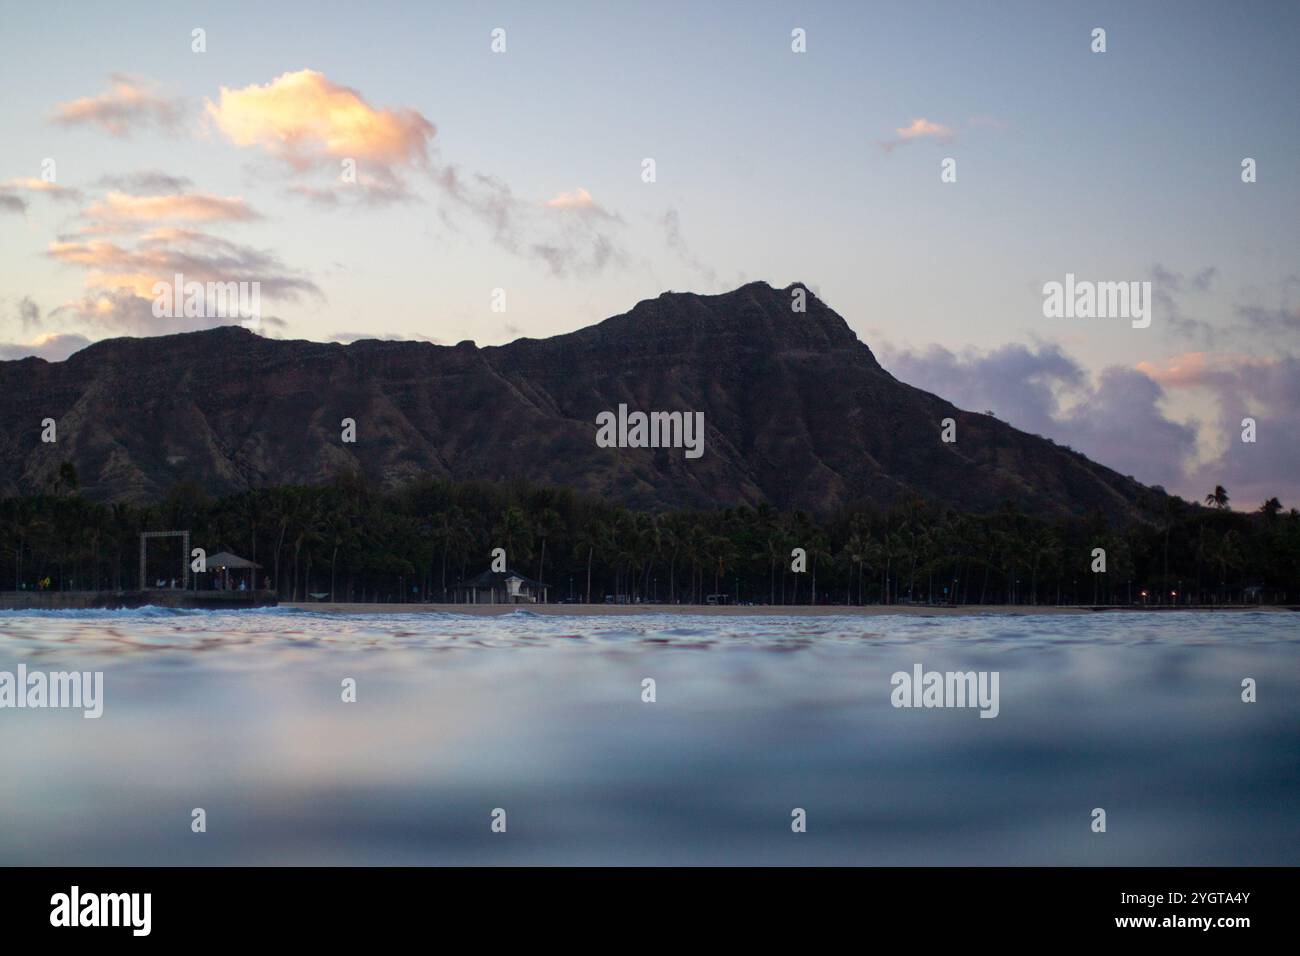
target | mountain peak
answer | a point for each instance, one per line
(796, 412)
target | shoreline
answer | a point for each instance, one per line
(790, 610)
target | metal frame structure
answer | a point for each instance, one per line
(185, 555)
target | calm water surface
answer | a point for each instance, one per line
(240, 713)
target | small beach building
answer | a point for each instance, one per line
(230, 572)
(499, 587)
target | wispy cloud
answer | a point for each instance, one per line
(130, 104)
(368, 190)
(180, 207)
(41, 186)
(568, 244)
(11, 203)
(579, 201)
(1173, 281)
(1276, 319)
(672, 225)
(28, 313)
(919, 128)
(1169, 288)
(145, 182)
(120, 279)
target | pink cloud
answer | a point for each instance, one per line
(129, 104)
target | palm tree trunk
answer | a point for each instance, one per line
(278, 546)
(590, 551)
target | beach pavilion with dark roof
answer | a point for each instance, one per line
(223, 562)
(499, 587)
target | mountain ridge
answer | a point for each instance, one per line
(798, 412)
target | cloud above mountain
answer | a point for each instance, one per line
(304, 118)
(342, 152)
(1119, 416)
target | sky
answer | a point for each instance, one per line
(500, 193)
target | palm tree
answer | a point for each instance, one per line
(449, 530)
(646, 548)
(26, 523)
(695, 550)
(548, 522)
(250, 511)
(299, 515)
(723, 553)
(281, 513)
(123, 520)
(1224, 553)
(856, 549)
(339, 533)
(798, 529)
(96, 526)
(671, 538)
(773, 549)
(1271, 508)
(1218, 498)
(1043, 547)
(513, 533)
(899, 547)
(817, 548)
(590, 536)
(309, 534)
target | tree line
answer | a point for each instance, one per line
(355, 542)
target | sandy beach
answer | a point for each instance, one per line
(789, 610)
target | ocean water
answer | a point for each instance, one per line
(240, 713)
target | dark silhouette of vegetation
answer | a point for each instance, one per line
(354, 542)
